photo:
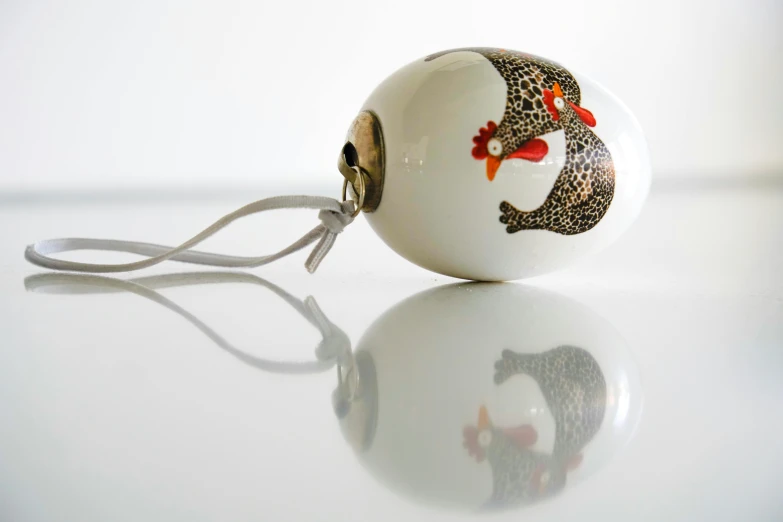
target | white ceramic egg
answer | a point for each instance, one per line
(483, 396)
(500, 165)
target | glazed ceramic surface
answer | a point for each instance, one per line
(502, 165)
(484, 396)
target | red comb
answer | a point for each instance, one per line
(549, 101)
(480, 150)
(470, 442)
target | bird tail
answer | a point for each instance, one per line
(512, 363)
(515, 219)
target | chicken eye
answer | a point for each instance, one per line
(495, 147)
(559, 103)
(485, 438)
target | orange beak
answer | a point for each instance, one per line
(483, 419)
(493, 164)
(557, 90)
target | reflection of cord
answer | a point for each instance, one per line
(334, 348)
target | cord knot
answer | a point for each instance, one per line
(335, 222)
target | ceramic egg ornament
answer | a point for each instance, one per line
(480, 163)
(491, 164)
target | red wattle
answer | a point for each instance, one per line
(584, 115)
(535, 478)
(523, 436)
(574, 462)
(532, 150)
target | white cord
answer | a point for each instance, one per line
(334, 216)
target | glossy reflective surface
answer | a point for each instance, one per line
(483, 397)
(183, 395)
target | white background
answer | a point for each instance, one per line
(173, 94)
(114, 409)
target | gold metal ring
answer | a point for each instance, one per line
(362, 190)
(351, 372)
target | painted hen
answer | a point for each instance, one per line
(575, 392)
(526, 116)
(585, 186)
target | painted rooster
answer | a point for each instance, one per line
(575, 392)
(526, 116)
(585, 186)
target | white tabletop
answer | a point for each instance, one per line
(114, 407)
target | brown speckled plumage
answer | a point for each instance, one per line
(575, 392)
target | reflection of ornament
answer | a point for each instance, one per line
(473, 395)
(490, 396)
(575, 393)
